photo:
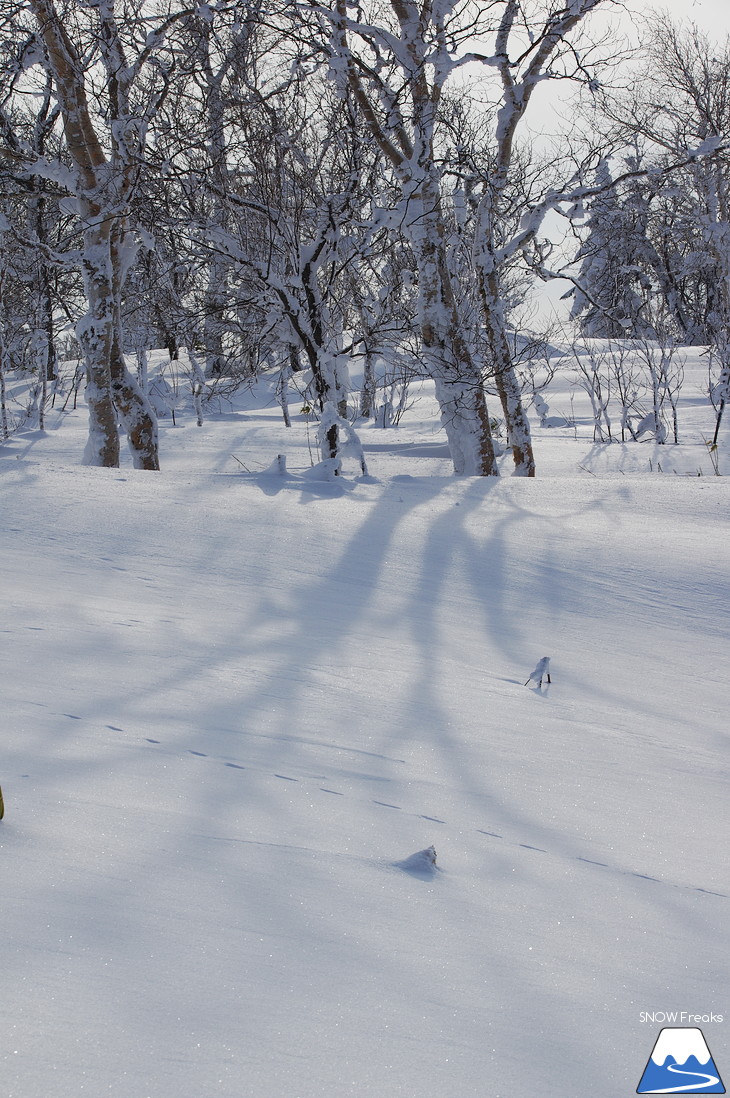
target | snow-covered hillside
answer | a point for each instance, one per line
(236, 703)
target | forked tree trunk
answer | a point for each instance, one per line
(459, 386)
(110, 387)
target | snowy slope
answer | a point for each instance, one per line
(235, 701)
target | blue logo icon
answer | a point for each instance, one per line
(681, 1063)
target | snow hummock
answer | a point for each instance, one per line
(680, 1044)
(421, 864)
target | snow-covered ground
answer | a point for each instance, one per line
(236, 703)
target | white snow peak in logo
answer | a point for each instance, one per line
(681, 1063)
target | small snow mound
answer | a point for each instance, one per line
(422, 864)
(277, 467)
(328, 469)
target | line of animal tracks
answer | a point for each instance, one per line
(494, 836)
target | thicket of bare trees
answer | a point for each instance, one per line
(283, 185)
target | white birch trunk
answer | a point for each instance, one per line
(4, 361)
(459, 387)
(369, 385)
(517, 425)
(218, 272)
(103, 188)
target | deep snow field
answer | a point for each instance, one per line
(235, 703)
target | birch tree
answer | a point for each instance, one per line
(531, 47)
(104, 155)
(217, 55)
(298, 222)
(398, 60)
(397, 81)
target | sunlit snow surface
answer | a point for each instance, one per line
(235, 704)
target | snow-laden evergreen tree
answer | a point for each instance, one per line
(610, 299)
(678, 108)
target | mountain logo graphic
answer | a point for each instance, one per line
(680, 1063)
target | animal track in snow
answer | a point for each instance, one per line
(478, 830)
